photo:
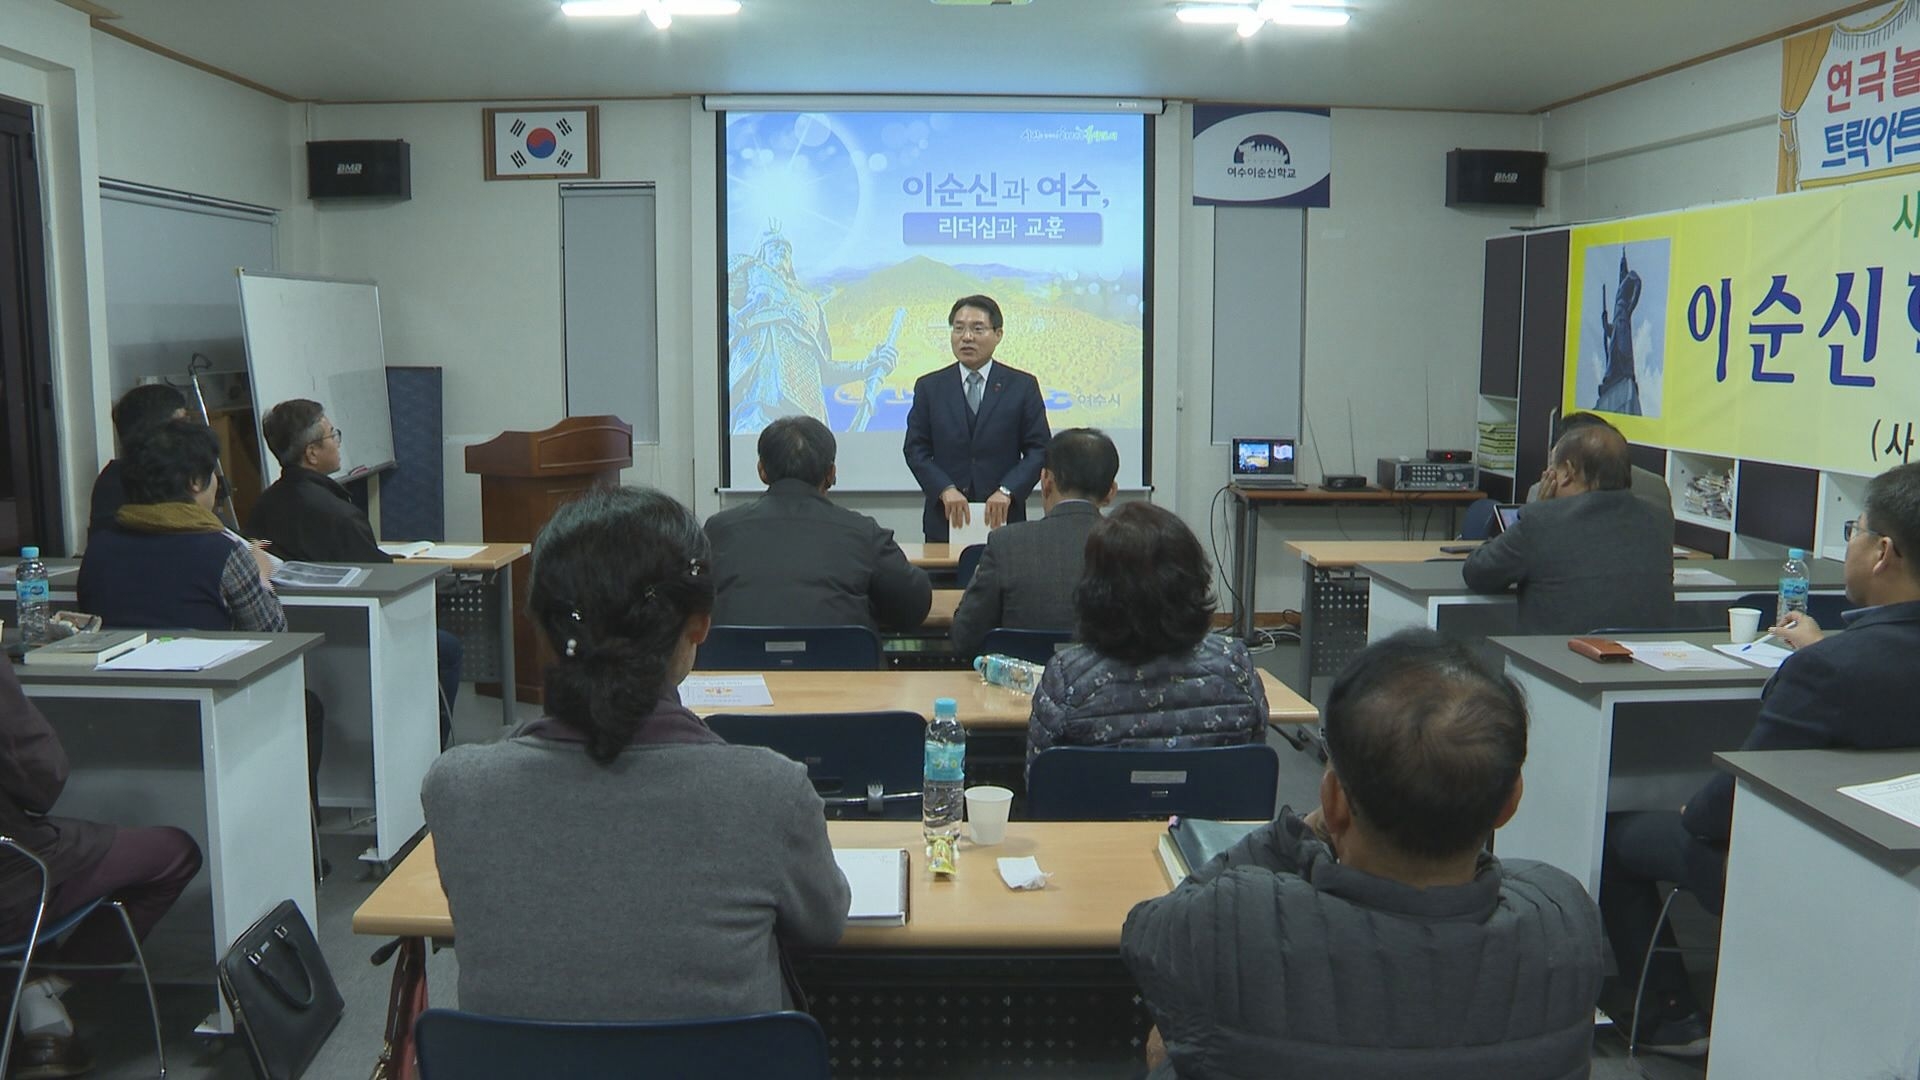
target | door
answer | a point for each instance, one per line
(30, 512)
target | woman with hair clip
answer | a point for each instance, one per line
(615, 859)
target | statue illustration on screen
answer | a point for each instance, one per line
(1619, 388)
(779, 355)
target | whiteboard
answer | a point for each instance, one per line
(319, 338)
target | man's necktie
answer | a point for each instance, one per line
(974, 382)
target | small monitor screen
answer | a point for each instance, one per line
(1263, 457)
(1507, 514)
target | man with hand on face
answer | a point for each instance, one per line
(977, 431)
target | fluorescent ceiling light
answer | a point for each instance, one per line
(1281, 14)
(1251, 25)
(1224, 14)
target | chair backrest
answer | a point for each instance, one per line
(1035, 645)
(801, 648)
(968, 562)
(1099, 783)
(843, 752)
(1477, 522)
(770, 1046)
(1824, 607)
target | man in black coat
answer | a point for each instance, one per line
(793, 558)
(977, 431)
(1854, 690)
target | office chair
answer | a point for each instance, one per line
(42, 932)
(796, 648)
(1035, 645)
(1106, 783)
(847, 755)
(968, 562)
(1477, 522)
(769, 1046)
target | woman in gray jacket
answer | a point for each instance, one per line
(1147, 673)
(616, 860)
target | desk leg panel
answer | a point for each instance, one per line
(404, 657)
(1819, 947)
(1562, 811)
(1389, 612)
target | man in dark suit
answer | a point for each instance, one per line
(794, 558)
(977, 431)
(140, 408)
(1026, 576)
(1589, 553)
(1854, 690)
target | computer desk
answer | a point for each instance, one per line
(940, 556)
(1817, 943)
(945, 603)
(1246, 506)
(490, 653)
(220, 753)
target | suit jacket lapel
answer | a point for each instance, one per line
(955, 397)
(990, 396)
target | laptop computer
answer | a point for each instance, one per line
(1264, 463)
(1504, 515)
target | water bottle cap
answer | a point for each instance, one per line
(29, 552)
(945, 706)
(1796, 553)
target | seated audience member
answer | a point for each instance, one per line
(621, 805)
(793, 558)
(1026, 575)
(309, 518)
(1855, 690)
(139, 408)
(1146, 673)
(1376, 937)
(1588, 554)
(145, 869)
(169, 564)
(1644, 483)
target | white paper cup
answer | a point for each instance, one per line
(1743, 624)
(987, 808)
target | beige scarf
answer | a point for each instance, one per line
(168, 517)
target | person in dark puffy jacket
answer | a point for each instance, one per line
(1376, 938)
(1147, 674)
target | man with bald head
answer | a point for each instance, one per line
(1588, 553)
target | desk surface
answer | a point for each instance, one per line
(945, 601)
(1100, 869)
(1548, 655)
(1368, 494)
(490, 557)
(982, 706)
(1807, 782)
(231, 675)
(383, 582)
(1343, 553)
(1421, 580)
(931, 556)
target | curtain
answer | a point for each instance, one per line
(1800, 58)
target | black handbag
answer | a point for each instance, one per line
(283, 998)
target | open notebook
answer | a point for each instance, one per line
(878, 880)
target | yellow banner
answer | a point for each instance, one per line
(1785, 329)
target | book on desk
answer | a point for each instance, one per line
(877, 880)
(86, 650)
(1191, 842)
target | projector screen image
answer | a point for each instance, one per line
(849, 235)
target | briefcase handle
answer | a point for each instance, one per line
(273, 981)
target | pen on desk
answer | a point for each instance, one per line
(1770, 638)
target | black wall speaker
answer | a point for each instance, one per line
(1496, 178)
(359, 169)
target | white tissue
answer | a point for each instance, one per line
(1023, 873)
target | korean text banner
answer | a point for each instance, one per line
(1784, 329)
(1850, 99)
(1262, 156)
(849, 235)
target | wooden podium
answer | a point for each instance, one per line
(524, 477)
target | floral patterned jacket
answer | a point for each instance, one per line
(1211, 696)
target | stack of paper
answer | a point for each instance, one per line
(1680, 656)
(181, 654)
(877, 878)
(725, 691)
(1497, 441)
(1899, 796)
(407, 549)
(1709, 495)
(307, 575)
(1758, 653)
(1694, 575)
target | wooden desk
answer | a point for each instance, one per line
(1246, 506)
(945, 602)
(1817, 944)
(931, 556)
(1100, 869)
(983, 706)
(494, 561)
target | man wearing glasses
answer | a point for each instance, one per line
(1853, 690)
(977, 431)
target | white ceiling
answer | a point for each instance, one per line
(1508, 55)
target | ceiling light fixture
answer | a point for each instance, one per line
(658, 12)
(1249, 18)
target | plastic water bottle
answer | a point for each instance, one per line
(1793, 586)
(30, 597)
(1009, 671)
(943, 796)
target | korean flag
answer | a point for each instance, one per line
(536, 143)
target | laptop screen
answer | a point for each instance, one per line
(1505, 515)
(1263, 457)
